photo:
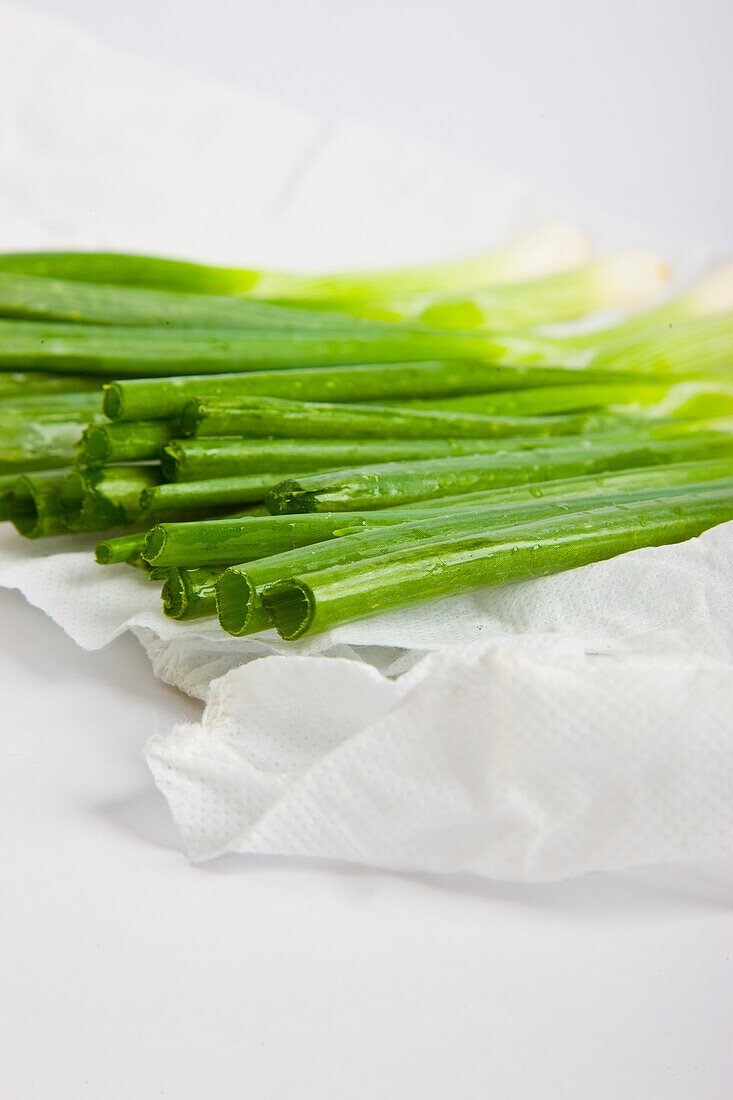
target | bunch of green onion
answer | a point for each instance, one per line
(302, 450)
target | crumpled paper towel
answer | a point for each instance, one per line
(541, 730)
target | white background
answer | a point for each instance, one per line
(126, 973)
(623, 105)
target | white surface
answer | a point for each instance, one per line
(126, 973)
(623, 105)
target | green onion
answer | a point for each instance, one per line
(153, 573)
(165, 398)
(692, 400)
(15, 417)
(546, 400)
(118, 351)
(204, 459)
(209, 495)
(28, 443)
(34, 506)
(101, 444)
(536, 252)
(227, 541)
(696, 346)
(190, 593)
(18, 384)
(395, 483)
(53, 406)
(33, 298)
(7, 481)
(94, 500)
(269, 417)
(634, 480)
(431, 442)
(314, 602)
(120, 549)
(140, 565)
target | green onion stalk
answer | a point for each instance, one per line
(120, 549)
(700, 348)
(697, 399)
(103, 444)
(7, 481)
(709, 337)
(395, 483)
(35, 298)
(165, 398)
(275, 418)
(128, 352)
(16, 385)
(696, 347)
(636, 479)
(113, 496)
(190, 593)
(97, 500)
(231, 540)
(53, 406)
(213, 495)
(28, 443)
(204, 459)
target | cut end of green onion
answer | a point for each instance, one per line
(154, 543)
(170, 459)
(235, 597)
(122, 549)
(71, 497)
(289, 498)
(147, 498)
(33, 505)
(190, 417)
(291, 607)
(94, 446)
(154, 574)
(174, 595)
(113, 400)
(23, 509)
(103, 553)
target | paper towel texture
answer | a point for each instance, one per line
(562, 725)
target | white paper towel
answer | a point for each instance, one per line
(524, 759)
(515, 748)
